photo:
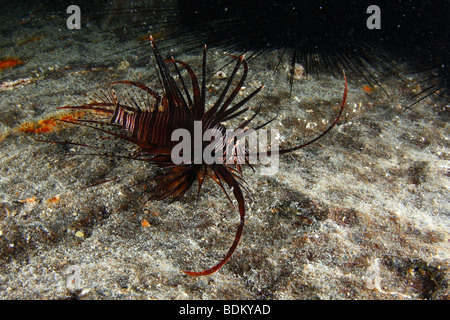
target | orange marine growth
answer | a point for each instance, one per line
(9, 63)
(50, 124)
(367, 89)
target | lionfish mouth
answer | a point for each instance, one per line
(150, 126)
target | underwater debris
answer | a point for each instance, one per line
(11, 84)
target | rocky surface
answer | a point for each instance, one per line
(361, 214)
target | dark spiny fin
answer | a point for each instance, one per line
(67, 143)
(237, 88)
(228, 113)
(122, 136)
(200, 178)
(194, 81)
(174, 183)
(246, 122)
(282, 151)
(99, 183)
(217, 179)
(292, 72)
(186, 92)
(265, 123)
(141, 86)
(199, 113)
(92, 106)
(230, 180)
(210, 114)
(171, 90)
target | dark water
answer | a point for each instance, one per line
(363, 213)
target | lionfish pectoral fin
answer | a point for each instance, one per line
(99, 183)
(229, 178)
(93, 106)
(225, 259)
(150, 91)
(323, 133)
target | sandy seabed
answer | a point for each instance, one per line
(361, 214)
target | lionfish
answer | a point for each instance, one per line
(150, 129)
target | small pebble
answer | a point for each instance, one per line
(79, 234)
